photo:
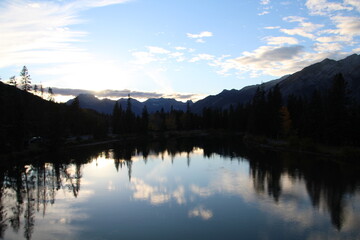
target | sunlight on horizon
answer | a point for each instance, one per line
(76, 45)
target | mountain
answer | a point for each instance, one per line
(89, 101)
(155, 104)
(319, 77)
(152, 104)
(303, 83)
(231, 97)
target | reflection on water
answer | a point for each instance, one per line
(210, 188)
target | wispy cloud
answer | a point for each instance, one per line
(158, 50)
(275, 60)
(200, 36)
(272, 27)
(281, 40)
(354, 3)
(263, 13)
(305, 29)
(327, 47)
(324, 7)
(201, 56)
(40, 32)
(347, 26)
(265, 7)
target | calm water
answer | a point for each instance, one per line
(179, 190)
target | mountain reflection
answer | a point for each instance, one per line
(28, 189)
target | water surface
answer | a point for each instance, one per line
(179, 190)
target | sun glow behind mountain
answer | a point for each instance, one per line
(172, 48)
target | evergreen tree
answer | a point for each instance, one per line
(129, 117)
(336, 113)
(25, 79)
(41, 91)
(274, 103)
(144, 119)
(257, 116)
(35, 89)
(116, 118)
(12, 81)
(51, 94)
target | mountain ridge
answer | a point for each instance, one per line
(303, 83)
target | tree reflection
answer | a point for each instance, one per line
(29, 215)
(3, 224)
(27, 190)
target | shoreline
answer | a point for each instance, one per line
(347, 154)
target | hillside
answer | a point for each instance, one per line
(25, 116)
(303, 83)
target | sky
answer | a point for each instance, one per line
(184, 49)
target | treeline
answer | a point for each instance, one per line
(25, 116)
(329, 117)
(125, 121)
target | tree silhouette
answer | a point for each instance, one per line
(25, 79)
(51, 94)
(13, 81)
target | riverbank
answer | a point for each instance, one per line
(301, 146)
(305, 146)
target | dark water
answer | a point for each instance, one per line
(185, 189)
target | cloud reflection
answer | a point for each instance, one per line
(143, 191)
(201, 212)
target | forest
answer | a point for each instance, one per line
(329, 117)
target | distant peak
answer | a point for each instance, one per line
(326, 60)
(86, 95)
(352, 57)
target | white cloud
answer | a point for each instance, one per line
(272, 27)
(281, 40)
(336, 38)
(202, 56)
(305, 29)
(355, 3)
(323, 7)
(327, 47)
(101, 3)
(274, 60)
(265, 7)
(294, 19)
(200, 35)
(39, 32)
(348, 26)
(180, 48)
(157, 50)
(263, 13)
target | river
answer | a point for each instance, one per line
(179, 189)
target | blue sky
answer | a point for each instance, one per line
(179, 48)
